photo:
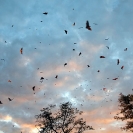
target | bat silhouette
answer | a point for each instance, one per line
(10, 99)
(65, 64)
(115, 79)
(102, 56)
(33, 88)
(74, 24)
(98, 71)
(73, 49)
(125, 49)
(107, 47)
(118, 61)
(45, 13)
(65, 31)
(56, 76)
(88, 65)
(9, 81)
(122, 67)
(1, 102)
(87, 25)
(21, 50)
(79, 53)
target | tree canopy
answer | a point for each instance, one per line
(126, 111)
(62, 121)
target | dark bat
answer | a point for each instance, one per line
(1, 102)
(33, 88)
(88, 65)
(98, 71)
(65, 64)
(125, 49)
(10, 99)
(79, 53)
(107, 47)
(45, 13)
(74, 24)
(118, 61)
(115, 79)
(122, 67)
(56, 76)
(107, 39)
(73, 49)
(21, 50)
(87, 25)
(65, 31)
(102, 56)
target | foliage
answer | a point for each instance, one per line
(126, 111)
(64, 121)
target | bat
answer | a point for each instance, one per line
(10, 99)
(98, 71)
(74, 24)
(21, 50)
(56, 76)
(1, 102)
(65, 31)
(33, 88)
(88, 65)
(45, 13)
(115, 79)
(79, 53)
(73, 49)
(122, 67)
(65, 64)
(107, 39)
(87, 25)
(107, 47)
(125, 49)
(118, 61)
(102, 56)
(9, 81)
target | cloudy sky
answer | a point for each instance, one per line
(46, 48)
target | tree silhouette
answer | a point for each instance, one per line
(63, 121)
(126, 111)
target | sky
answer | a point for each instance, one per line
(46, 48)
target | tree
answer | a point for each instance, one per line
(126, 111)
(64, 121)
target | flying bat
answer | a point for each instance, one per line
(122, 67)
(56, 76)
(33, 88)
(45, 13)
(73, 49)
(98, 71)
(87, 25)
(65, 31)
(1, 102)
(125, 49)
(21, 50)
(10, 99)
(9, 81)
(79, 53)
(102, 56)
(107, 39)
(118, 61)
(74, 24)
(88, 65)
(115, 79)
(65, 64)
(107, 47)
